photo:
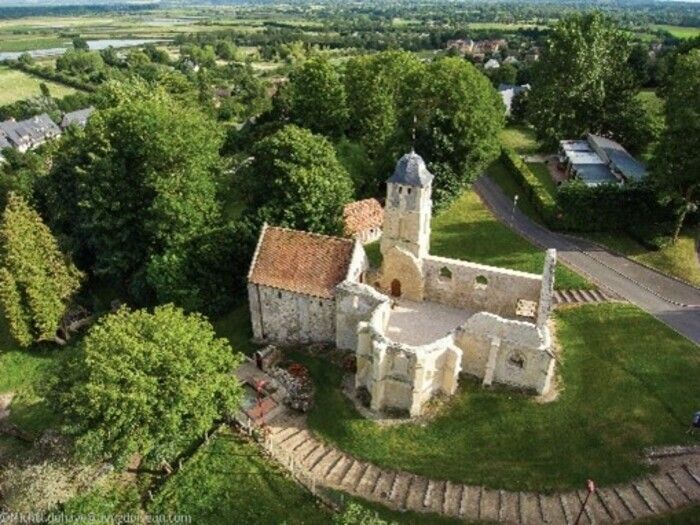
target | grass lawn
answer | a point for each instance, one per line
(628, 382)
(520, 139)
(235, 326)
(467, 230)
(229, 479)
(18, 85)
(679, 259)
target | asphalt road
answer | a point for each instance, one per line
(675, 303)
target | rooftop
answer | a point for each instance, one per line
(301, 262)
(362, 215)
(411, 171)
(78, 117)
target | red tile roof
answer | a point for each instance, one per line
(302, 262)
(362, 215)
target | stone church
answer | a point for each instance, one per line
(417, 322)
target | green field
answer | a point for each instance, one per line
(627, 383)
(678, 31)
(17, 85)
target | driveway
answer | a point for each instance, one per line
(675, 303)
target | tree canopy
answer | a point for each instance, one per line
(583, 82)
(295, 180)
(676, 163)
(37, 282)
(460, 117)
(140, 179)
(146, 383)
(315, 95)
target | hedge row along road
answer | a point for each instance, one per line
(675, 303)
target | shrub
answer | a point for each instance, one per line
(535, 191)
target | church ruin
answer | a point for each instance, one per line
(421, 321)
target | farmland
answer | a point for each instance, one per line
(17, 85)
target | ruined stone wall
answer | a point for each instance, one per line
(287, 317)
(505, 351)
(478, 287)
(359, 263)
(356, 303)
(400, 377)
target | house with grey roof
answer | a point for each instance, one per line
(78, 118)
(27, 134)
(598, 160)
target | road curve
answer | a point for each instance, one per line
(675, 303)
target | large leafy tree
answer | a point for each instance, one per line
(676, 163)
(383, 93)
(315, 96)
(146, 383)
(295, 180)
(583, 82)
(140, 180)
(460, 117)
(37, 282)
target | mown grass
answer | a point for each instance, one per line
(520, 139)
(17, 85)
(468, 230)
(229, 479)
(627, 382)
(679, 259)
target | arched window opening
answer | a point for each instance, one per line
(445, 274)
(481, 282)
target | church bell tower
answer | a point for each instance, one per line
(408, 207)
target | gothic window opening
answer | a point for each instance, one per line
(516, 360)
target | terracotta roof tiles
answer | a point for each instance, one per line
(362, 215)
(301, 262)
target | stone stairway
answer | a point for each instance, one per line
(293, 445)
(573, 296)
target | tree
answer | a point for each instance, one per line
(80, 43)
(139, 180)
(207, 274)
(459, 121)
(26, 59)
(583, 82)
(295, 180)
(316, 97)
(37, 282)
(80, 62)
(382, 93)
(146, 383)
(676, 163)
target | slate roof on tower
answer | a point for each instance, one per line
(411, 171)
(301, 262)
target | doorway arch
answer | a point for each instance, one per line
(396, 288)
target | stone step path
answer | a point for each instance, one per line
(293, 445)
(574, 296)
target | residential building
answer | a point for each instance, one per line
(508, 93)
(78, 118)
(363, 219)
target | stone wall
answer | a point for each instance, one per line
(401, 270)
(356, 303)
(401, 377)
(478, 287)
(288, 317)
(505, 351)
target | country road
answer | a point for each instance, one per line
(675, 303)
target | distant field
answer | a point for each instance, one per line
(679, 31)
(17, 85)
(14, 43)
(504, 26)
